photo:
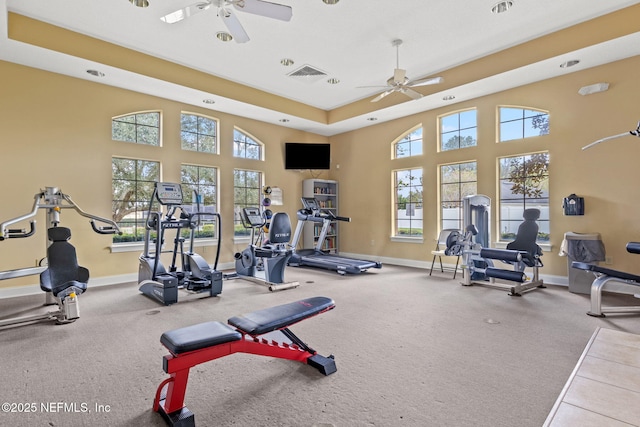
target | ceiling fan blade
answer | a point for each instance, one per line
(411, 93)
(185, 12)
(399, 75)
(234, 26)
(369, 87)
(264, 8)
(382, 95)
(424, 82)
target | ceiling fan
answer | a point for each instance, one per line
(225, 11)
(400, 82)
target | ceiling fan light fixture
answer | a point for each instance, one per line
(502, 6)
(139, 3)
(224, 36)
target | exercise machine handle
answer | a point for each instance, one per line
(105, 229)
(633, 247)
(18, 233)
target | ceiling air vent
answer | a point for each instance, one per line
(307, 74)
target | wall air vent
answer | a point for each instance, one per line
(307, 74)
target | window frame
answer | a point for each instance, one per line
(500, 122)
(510, 226)
(408, 139)
(198, 135)
(247, 136)
(459, 130)
(139, 127)
(187, 195)
(461, 193)
(245, 234)
(141, 205)
(396, 206)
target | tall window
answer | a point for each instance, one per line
(458, 130)
(140, 128)
(456, 182)
(524, 184)
(132, 185)
(520, 123)
(246, 146)
(200, 194)
(246, 193)
(408, 145)
(198, 133)
(408, 202)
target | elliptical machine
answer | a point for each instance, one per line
(269, 258)
(195, 275)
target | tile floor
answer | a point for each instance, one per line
(604, 388)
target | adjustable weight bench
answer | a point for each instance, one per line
(196, 344)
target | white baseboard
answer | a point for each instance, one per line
(34, 289)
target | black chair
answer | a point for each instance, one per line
(63, 275)
(526, 238)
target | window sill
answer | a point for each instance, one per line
(139, 246)
(402, 239)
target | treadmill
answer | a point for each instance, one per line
(316, 257)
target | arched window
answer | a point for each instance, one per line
(198, 133)
(408, 145)
(139, 128)
(458, 130)
(246, 146)
(521, 122)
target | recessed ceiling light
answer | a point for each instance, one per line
(330, 1)
(372, 119)
(96, 73)
(448, 98)
(333, 81)
(284, 120)
(139, 3)
(225, 37)
(502, 7)
(570, 63)
(209, 101)
(286, 62)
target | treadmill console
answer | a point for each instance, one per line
(253, 217)
(169, 193)
(310, 203)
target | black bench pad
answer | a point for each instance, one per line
(607, 271)
(196, 337)
(278, 317)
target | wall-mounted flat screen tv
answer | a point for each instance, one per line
(298, 155)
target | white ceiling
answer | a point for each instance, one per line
(349, 41)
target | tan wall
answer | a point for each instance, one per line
(56, 131)
(605, 175)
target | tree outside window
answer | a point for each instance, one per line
(246, 193)
(198, 133)
(132, 185)
(524, 184)
(409, 145)
(458, 130)
(245, 146)
(456, 182)
(520, 123)
(199, 191)
(139, 128)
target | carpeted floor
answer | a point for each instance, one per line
(411, 350)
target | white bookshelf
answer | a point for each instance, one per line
(326, 193)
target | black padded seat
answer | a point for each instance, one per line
(607, 271)
(281, 316)
(196, 337)
(63, 271)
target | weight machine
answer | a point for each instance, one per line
(195, 275)
(64, 280)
